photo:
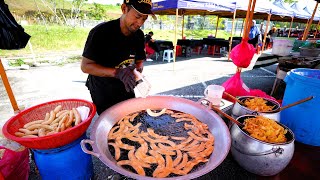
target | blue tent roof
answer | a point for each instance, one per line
(275, 10)
(259, 7)
(225, 8)
(299, 7)
(263, 6)
(200, 5)
(309, 9)
(301, 14)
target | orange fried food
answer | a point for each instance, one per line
(177, 160)
(120, 144)
(141, 154)
(134, 163)
(117, 150)
(258, 104)
(265, 129)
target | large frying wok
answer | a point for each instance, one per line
(107, 119)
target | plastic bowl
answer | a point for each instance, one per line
(38, 112)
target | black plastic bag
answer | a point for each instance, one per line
(12, 35)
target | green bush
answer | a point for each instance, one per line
(17, 62)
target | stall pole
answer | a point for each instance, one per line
(248, 23)
(215, 35)
(305, 29)
(290, 27)
(231, 37)
(310, 22)
(265, 32)
(175, 40)
(8, 88)
(182, 26)
(253, 5)
(315, 34)
(235, 30)
(242, 27)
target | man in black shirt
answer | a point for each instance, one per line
(113, 49)
(149, 37)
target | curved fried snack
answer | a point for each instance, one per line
(159, 150)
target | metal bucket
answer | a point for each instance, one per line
(101, 128)
(258, 157)
(239, 110)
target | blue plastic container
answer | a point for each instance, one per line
(66, 162)
(303, 119)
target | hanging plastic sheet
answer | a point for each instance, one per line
(236, 87)
(12, 35)
(242, 54)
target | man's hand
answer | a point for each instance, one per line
(127, 77)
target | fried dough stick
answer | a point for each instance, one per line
(134, 163)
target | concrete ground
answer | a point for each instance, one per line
(186, 78)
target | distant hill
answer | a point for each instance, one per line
(20, 7)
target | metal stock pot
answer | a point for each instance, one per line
(239, 110)
(258, 157)
(101, 127)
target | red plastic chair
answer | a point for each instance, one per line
(178, 50)
(149, 50)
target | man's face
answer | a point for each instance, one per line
(133, 19)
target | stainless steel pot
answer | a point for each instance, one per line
(258, 157)
(239, 110)
(101, 127)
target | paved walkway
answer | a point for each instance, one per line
(46, 83)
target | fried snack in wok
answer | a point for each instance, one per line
(265, 129)
(258, 104)
(159, 154)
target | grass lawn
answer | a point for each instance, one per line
(56, 38)
(63, 38)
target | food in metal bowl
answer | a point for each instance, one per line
(259, 157)
(241, 109)
(160, 144)
(258, 104)
(265, 129)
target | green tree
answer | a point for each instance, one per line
(76, 7)
(97, 12)
(290, 1)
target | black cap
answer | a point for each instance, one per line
(142, 6)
